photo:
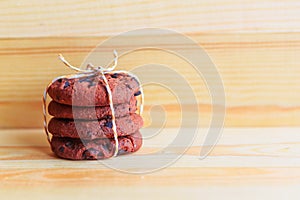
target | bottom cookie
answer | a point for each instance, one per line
(74, 149)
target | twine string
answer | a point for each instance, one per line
(100, 71)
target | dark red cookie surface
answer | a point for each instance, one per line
(91, 91)
(88, 130)
(75, 149)
(70, 112)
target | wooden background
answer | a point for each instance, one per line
(255, 46)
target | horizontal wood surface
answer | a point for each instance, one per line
(256, 163)
(37, 18)
(259, 72)
(255, 46)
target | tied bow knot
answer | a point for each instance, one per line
(92, 70)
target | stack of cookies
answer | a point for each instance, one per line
(82, 127)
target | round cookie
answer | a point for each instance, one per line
(88, 130)
(74, 149)
(91, 90)
(98, 112)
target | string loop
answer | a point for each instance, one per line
(98, 71)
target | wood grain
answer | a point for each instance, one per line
(37, 18)
(29, 115)
(255, 46)
(259, 72)
(245, 161)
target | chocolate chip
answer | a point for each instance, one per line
(100, 155)
(86, 79)
(115, 75)
(70, 144)
(91, 84)
(89, 134)
(137, 93)
(90, 79)
(121, 152)
(109, 124)
(67, 84)
(61, 149)
(90, 154)
(134, 79)
(107, 146)
(128, 86)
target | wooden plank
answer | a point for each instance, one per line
(120, 190)
(17, 147)
(259, 71)
(83, 18)
(189, 176)
(251, 156)
(257, 163)
(230, 136)
(253, 72)
(30, 115)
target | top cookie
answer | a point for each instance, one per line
(91, 90)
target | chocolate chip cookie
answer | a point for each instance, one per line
(75, 149)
